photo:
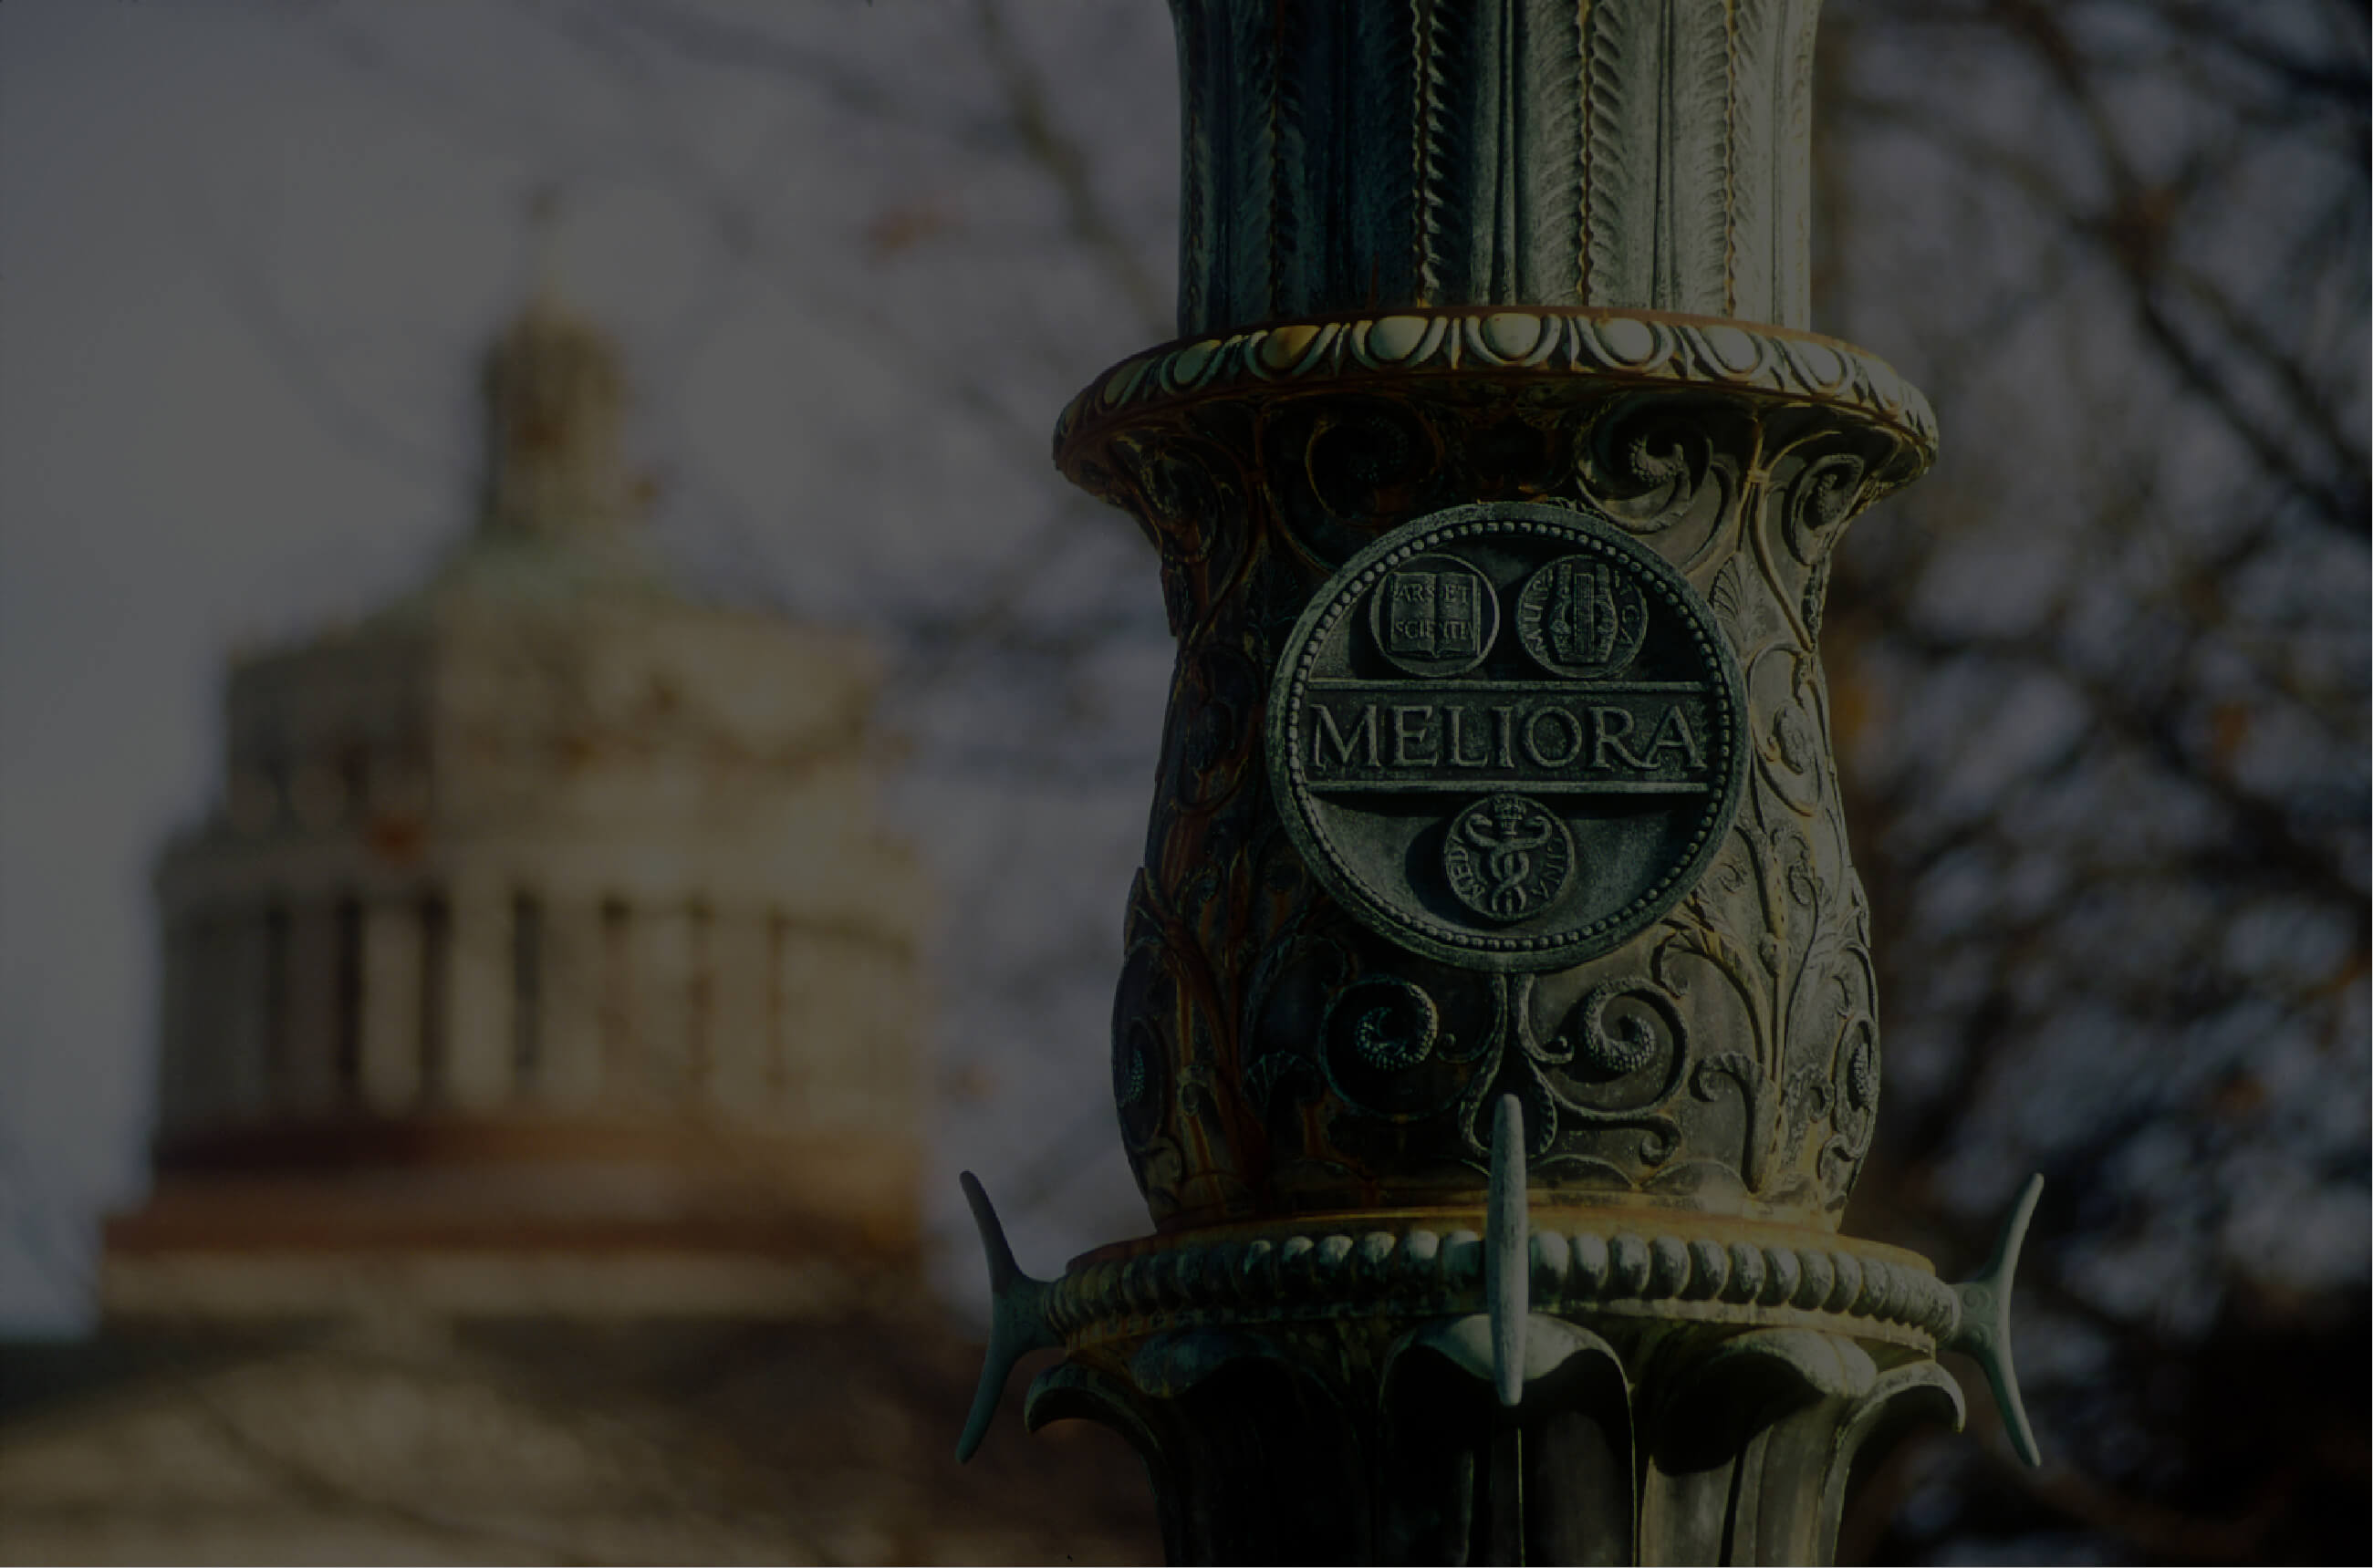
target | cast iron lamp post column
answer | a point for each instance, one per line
(1496, 1044)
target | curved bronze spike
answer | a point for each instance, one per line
(1984, 1332)
(1017, 1318)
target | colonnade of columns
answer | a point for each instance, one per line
(485, 997)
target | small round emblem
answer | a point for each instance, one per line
(1507, 858)
(1582, 618)
(1434, 615)
(1523, 802)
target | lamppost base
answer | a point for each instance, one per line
(1604, 1384)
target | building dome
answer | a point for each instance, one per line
(544, 950)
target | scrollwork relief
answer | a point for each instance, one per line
(1752, 1000)
(1660, 464)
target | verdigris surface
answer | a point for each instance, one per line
(1723, 1052)
(1496, 1044)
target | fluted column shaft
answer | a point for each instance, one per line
(1634, 154)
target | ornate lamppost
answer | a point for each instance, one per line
(1496, 1044)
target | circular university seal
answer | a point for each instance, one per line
(1508, 802)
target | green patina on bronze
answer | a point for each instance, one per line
(1506, 736)
(1496, 1043)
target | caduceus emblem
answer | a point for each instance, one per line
(1507, 858)
(1507, 838)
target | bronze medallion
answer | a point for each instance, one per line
(1517, 802)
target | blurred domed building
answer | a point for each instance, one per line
(544, 932)
(539, 1148)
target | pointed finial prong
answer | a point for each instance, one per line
(1017, 1318)
(1507, 1250)
(1984, 1332)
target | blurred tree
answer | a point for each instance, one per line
(2103, 691)
(2101, 679)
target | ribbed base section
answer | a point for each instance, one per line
(1686, 1394)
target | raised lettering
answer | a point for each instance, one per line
(1458, 757)
(1533, 749)
(1404, 737)
(1327, 728)
(1461, 632)
(1414, 613)
(1673, 731)
(1614, 726)
(1503, 721)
